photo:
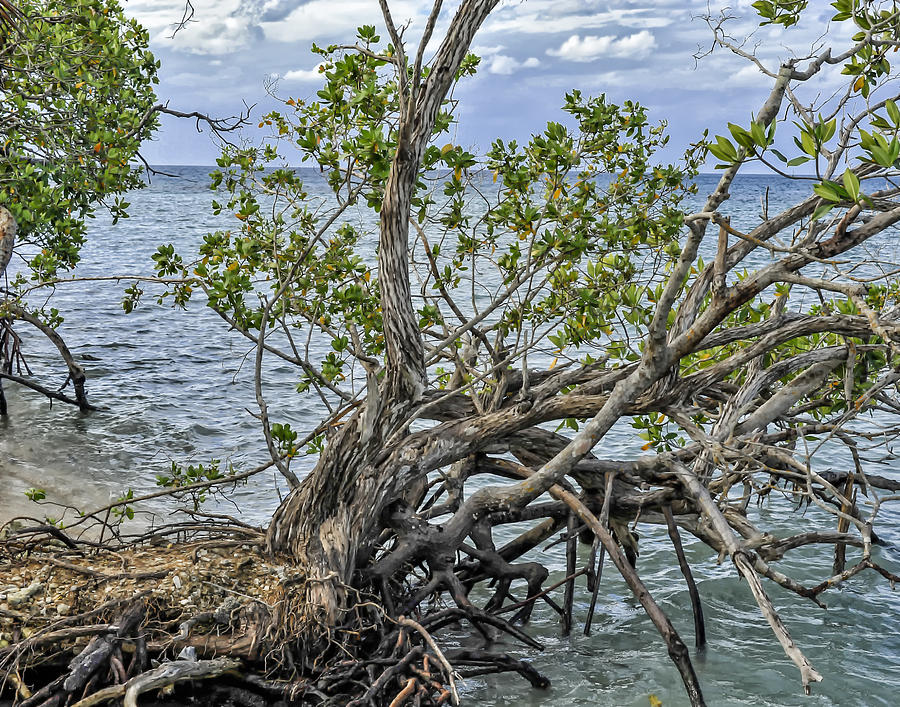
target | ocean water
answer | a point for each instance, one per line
(176, 386)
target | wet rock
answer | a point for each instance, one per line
(20, 596)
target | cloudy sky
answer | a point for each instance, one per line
(533, 51)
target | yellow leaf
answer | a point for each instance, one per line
(553, 364)
(645, 448)
(556, 193)
(860, 82)
(457, 172)
(446, 148)
(655, 701)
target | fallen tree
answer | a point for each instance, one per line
(520, 306)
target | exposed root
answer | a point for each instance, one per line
(164, 676)
(83, 624)
(437, 651)
(178, 614)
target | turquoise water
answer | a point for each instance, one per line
(176, 386)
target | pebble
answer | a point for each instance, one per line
(176, 580)
(22, 595)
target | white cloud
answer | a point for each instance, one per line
(195, 79)
(644, 48)
(215, 36)
(484, 51)
(157, 15)
(217, 27)
(749, 76)
(494, 61)
(304, 75)
(319, 19)
(633, 46)
(554, 16)
(506, 65)
(223, 26)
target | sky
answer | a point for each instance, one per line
(533, 52)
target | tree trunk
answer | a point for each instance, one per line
(335, 514)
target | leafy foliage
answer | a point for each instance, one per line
(76, 92)
(579, 212)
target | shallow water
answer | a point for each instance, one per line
(175, 387)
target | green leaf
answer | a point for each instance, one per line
(741, 136)
(894, 150)
(893, 112)
(34, 494)
(821, 211)
(829, 191)
(807, 144)
(758, 134)
(866, 140)
(881, 155)
(723, 149)
(851, 184)
(765, 8)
